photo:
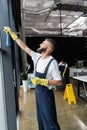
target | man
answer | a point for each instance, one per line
(63, 67)
(46, 75)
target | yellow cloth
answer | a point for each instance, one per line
(12, 34)
(36, 80)
(63, 74)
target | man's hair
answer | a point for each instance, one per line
(52, 42)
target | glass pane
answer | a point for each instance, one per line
(3, 121)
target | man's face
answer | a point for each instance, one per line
(44, 46)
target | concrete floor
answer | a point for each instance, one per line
(70, 117)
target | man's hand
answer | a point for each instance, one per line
(36, 80)
(7, 29)
(12, 34)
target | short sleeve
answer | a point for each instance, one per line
(66, 65)
(35, 56)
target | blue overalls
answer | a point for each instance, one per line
(61, 68)
(45, 104)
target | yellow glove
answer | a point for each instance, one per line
(36, 80)
(63, 74)
(12, 34)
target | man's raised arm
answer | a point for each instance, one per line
(21, 44)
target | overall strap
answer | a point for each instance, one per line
(46, 69)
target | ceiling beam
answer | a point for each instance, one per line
(71, 7)
(59, 6)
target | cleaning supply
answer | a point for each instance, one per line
(8, 40)
(63, 74)
(36, 80)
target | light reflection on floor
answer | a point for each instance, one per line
(70, 117)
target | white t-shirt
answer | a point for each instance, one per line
(63, 64)
(53, 70)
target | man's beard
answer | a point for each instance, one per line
(41, 50)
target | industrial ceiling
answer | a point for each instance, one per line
(54, 17)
